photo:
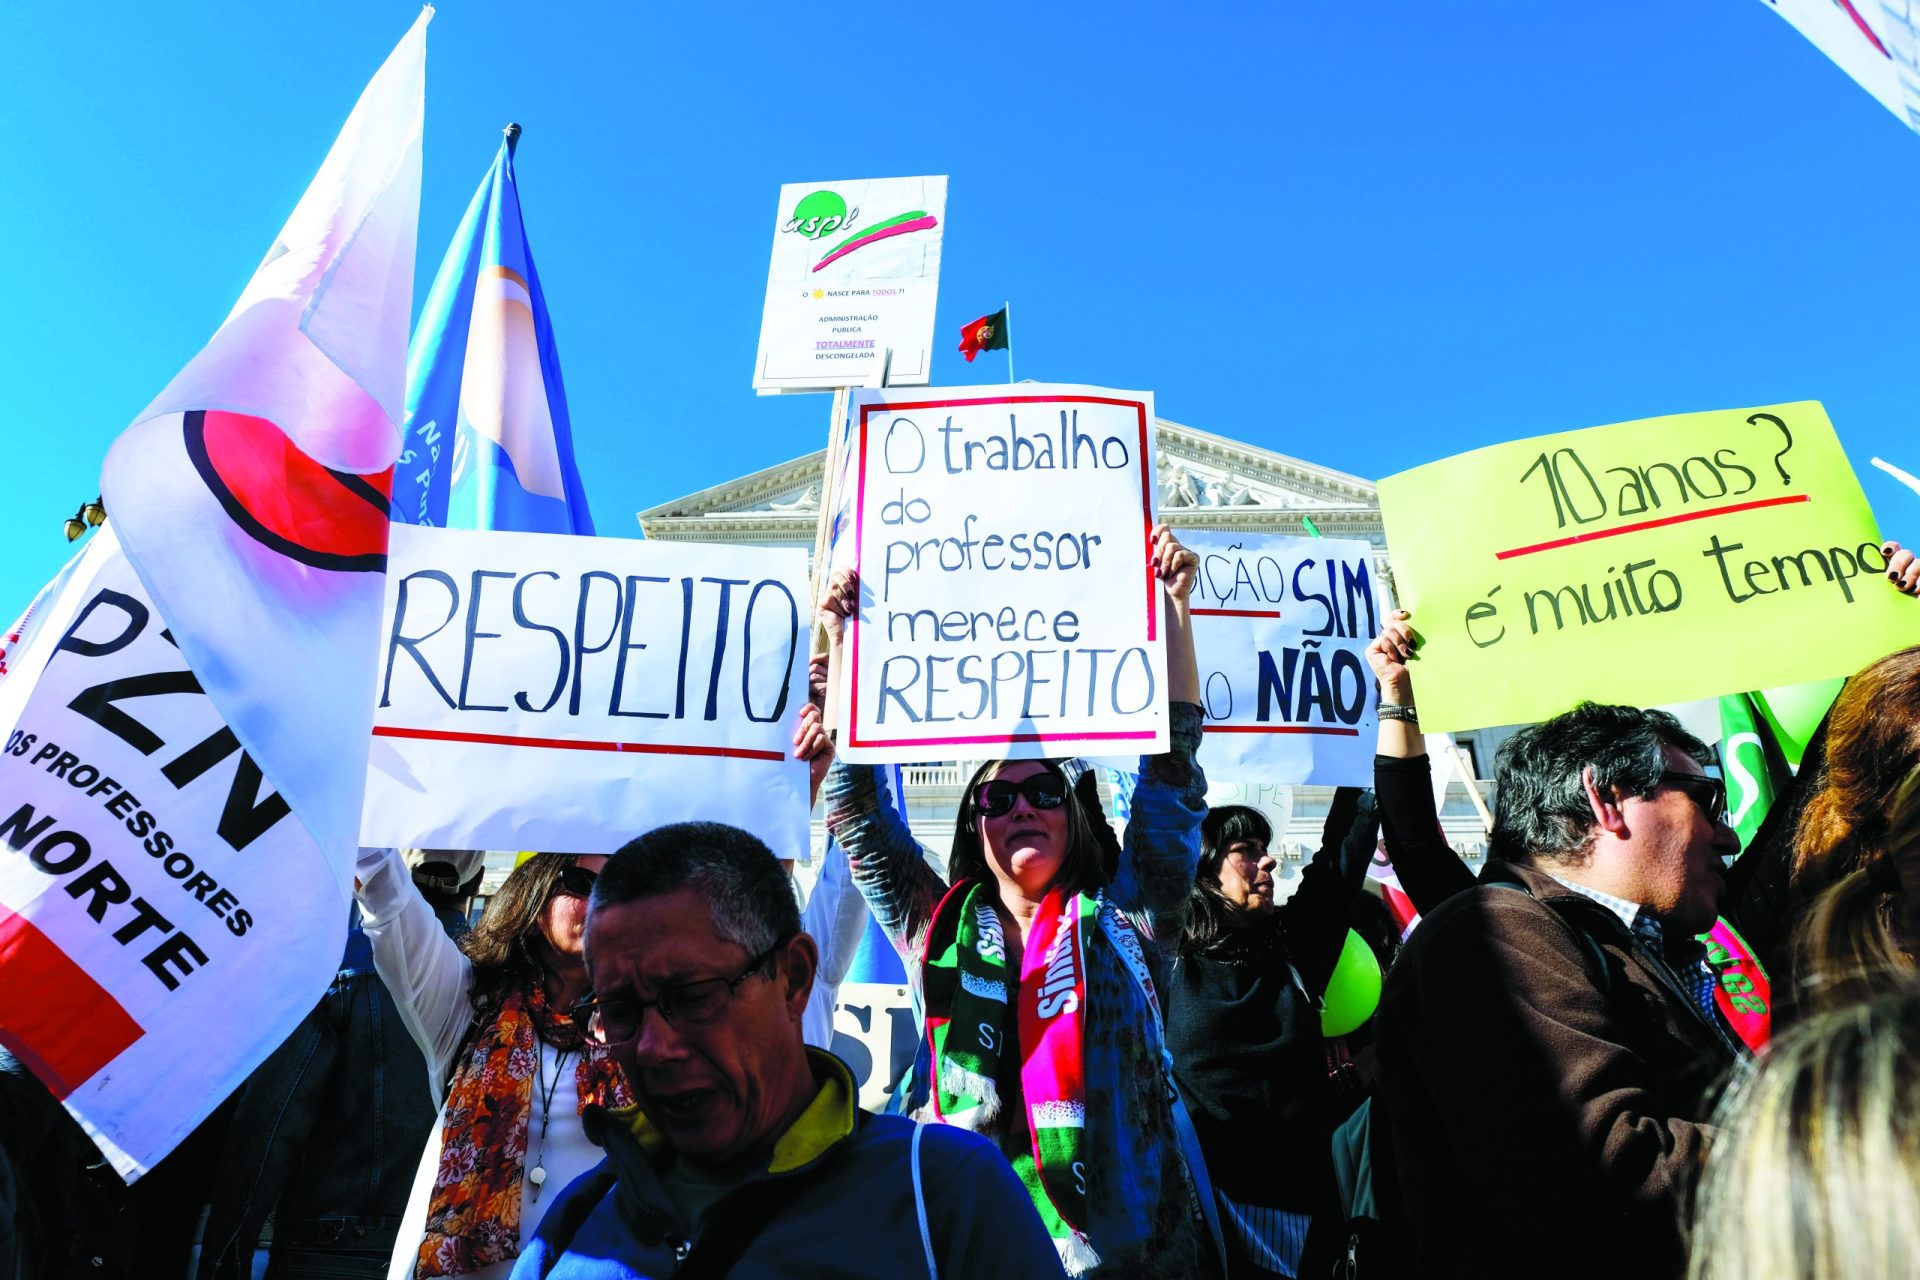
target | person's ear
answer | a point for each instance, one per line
(1608, 816)
(797, 962)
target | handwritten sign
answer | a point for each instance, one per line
(1007, 608)
(152, 881)
(566, 694)
(1280, 627)
(855, 273)
(1647, 562)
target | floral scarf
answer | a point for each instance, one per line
(473, 1215)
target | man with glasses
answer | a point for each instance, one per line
(747, 1153)
(1548, 1039)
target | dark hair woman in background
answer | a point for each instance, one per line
(1243, 1023)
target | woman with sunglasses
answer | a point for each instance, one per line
(490, 1013)
(1038, 961)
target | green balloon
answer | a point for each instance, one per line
(819, 213)
(1353, 993)
(1794, 711)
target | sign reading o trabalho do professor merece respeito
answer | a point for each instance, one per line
(854, 276)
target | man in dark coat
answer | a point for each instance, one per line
(1548, 1039)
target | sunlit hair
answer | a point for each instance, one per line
(506, 947)
(1090, 849)
(1542, 811)
(1872, 747)
(1814, 1173)
(1860, 934)
(1211, 919)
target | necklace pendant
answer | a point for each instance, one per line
(538, 1177)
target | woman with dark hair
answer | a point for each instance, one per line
(1243, 1022)
(1039, 964)
(490, 1014)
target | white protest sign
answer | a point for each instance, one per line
(855, 273)
(544, 691)
(1280, 628)
(1003, 539)
(874, 1025)
(165, 921)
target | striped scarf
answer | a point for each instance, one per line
(973, 1004)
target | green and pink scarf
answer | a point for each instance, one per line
(976, 1009)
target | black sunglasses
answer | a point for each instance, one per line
(576, 880)
(1709, 793)
(1043, 791)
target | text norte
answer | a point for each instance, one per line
(695, 623)
(129, 706)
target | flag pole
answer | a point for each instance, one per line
(1008, 308)
(828, 500)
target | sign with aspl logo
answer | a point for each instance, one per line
(855, 274)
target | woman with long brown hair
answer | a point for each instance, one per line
(1856, 855)
(490, 1013)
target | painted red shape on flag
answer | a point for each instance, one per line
(53, 1015)
(285, 500)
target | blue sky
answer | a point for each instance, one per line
(1369, 236)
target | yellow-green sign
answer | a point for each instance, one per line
(1645, 562)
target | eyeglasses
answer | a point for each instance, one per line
(1709, 793)
(691, 1004)
(576, 880)
(1042, 790)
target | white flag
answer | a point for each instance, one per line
(1874, 41)
(251, 495)
(192, 890)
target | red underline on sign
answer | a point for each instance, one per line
(1129, 736)
(1729, 509)
(1282, 728)
(576, 744)
(1236, 613)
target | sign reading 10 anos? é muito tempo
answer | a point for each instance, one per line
(1646, 562)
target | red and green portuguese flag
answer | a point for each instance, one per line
(988, 333)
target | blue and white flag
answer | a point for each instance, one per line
(488, 443)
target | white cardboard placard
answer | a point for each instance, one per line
(1280, 629)
(542, 691)
(855, 273)
(1003, 539)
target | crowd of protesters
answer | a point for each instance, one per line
(621, 1069)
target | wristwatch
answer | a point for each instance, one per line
(1394, 711)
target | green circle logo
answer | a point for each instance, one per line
(818, 214)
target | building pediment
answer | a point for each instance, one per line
(1205, 481)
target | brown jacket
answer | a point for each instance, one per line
(1544, 1118)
